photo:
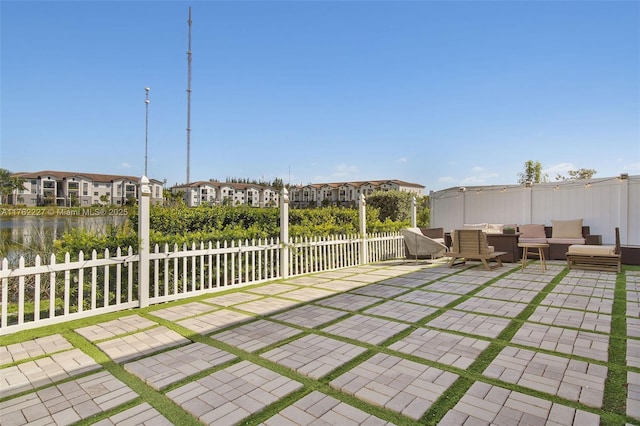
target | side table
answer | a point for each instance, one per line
(525, 251)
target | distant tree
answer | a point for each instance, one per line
(423, 211)
(104, 198)
(577, 174)
(277, 184)
(8, 184)
(532, 173)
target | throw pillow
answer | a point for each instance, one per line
(532, 231)
(566, 228)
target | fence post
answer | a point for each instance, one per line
(144, 198)
(414, 221)
(284, 233)
(364, 256)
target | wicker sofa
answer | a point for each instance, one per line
(560, 235)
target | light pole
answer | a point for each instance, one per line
(146, 131)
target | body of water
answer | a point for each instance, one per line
(19, 232)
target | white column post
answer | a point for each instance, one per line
(284, 233)
(364, 255)
(414, 219)
(144, 198)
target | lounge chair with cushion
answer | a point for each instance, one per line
(471, 244)
(419, 246)
(596, 257)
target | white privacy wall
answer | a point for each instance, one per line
(603, 204)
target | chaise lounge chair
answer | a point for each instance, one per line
(471, 244)
(419, 245)
(596, 257)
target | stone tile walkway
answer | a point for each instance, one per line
(389, 343)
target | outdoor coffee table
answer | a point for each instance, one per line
(525, 250)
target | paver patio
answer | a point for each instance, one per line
(389, 343)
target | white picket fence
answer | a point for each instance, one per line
(51, 292)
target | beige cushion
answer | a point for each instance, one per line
(481, 226)
(532, 231)
(568, 241)
(592, 250)
(533, 240)
(494, 228)
(566, 228)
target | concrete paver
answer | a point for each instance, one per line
(33, 348)
(143, 414)
(401, 311)
(502, 308)
(564, 340)
(176, 313)
(314, 356)
(228, 396)
(510, 294)
(633, 327)
(486, 404)
(583, 290)
(633, 395)
(166, 368)
(431, 298)
(396, 384)
(451, 287)
(233, 299)
(446, 348)
(366, 329)
(320, 409)
(380, 290)
(271, 289)
(308, 294)
(107, 330)
(43, 371)
(349, 302)
(570, 379)
(465, 322)
(583, 303)
(213, 321)
(256, 335)
(406, 281)
(310, 316)
(267, 305)
(341, 285)
(590, 321)
(633, 353)
(135, 345)
(67, 402)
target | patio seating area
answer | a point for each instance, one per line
(396, 342)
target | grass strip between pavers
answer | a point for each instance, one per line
(615, 387)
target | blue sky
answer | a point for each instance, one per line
(441, 93)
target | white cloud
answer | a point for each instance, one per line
(344, 170)
(561, 168)
(402, 160)
(125, 166)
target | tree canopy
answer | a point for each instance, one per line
(532, 173)
(8, 184)
(577, 174)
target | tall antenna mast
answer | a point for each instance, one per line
(189, 98)
(146, 130)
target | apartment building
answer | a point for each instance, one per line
(69, 189)
(346, 194)
(212, 193)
